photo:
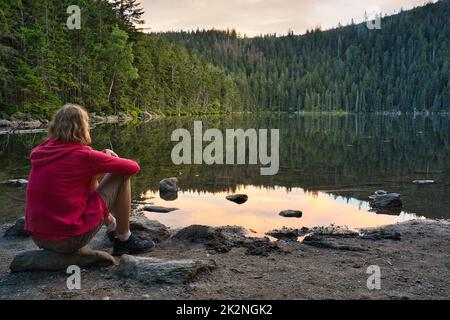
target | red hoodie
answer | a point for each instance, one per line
(61, 202)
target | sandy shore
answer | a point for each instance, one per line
(415, 267)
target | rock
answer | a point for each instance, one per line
(32, 124)
(168, 185)
(258, 246)
(4, 123)
(168, 189)
(214, 239)
(238, 198)
(386, 200)
(93, 118)
(149, 229)
(320, 241)
(285, 234)
(291, 214)
(421, 182)
(157, 271)
(18, 229)
(158, 209)
(334, 232)
(43, 260)
(377, 235)
(15, 182)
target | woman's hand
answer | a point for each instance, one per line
(110, 153)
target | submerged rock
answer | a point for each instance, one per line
(291, 214)
(156, 271)
(158, 209)
(382, 200)
(43, 260)
(18, 229)
(149, 229)
(238, 198)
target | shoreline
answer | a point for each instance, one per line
(331, 265)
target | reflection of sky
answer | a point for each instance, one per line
(260, 212)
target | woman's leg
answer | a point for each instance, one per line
(116, 191)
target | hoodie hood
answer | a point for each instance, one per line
(52, 150)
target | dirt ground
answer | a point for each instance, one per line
(416, 267)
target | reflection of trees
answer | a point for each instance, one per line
(349, 155)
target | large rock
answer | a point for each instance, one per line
(291, 214)
(149, 229)
(43, 260)
(238, 198)
(169, 185)
(168, 189)
(382, 200)
(18, 229)
(158, 271)
(213, 238)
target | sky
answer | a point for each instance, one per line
(255, 17)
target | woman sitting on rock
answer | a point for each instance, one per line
(72, 189)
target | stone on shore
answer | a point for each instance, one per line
(159, 271)
(238, 198)
(149, 229)
(291, 214)
(15, 182)
(4, 123)
(18, 229)
(285, 234)
(216, 239)
(43, 260)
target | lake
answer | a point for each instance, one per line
(329, 166)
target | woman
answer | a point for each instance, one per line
(66, 203)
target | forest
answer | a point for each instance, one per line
(112, 65)
(404, 66)
(108, 65)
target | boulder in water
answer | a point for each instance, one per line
(238, 198)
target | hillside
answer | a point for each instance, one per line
(107, 65)
(404, 66)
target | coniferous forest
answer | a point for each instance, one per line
(108, 65)
(111, 65)
(404, 66)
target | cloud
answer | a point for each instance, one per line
(253, 17)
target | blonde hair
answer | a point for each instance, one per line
(70, 124)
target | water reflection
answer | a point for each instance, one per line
(326, 163)
(260, 212)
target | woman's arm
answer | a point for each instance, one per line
(105, 163)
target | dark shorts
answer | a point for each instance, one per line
(109, 189)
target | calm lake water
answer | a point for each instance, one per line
(329, 166)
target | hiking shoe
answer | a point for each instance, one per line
(134, 245)
(112, 235)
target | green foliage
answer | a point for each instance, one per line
(108, 65)
(404, 66)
